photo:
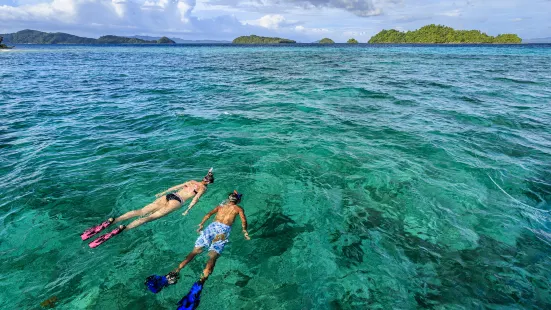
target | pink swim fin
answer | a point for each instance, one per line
(96, 229)
(106, 237)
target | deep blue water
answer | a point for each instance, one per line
(380, 177)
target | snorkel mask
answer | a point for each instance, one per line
(235, 197)
(209, 178)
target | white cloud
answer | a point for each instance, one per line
(363, 8)
(303, 29)
(166, 15)
(272, 21)
(355, 33)
(452, 13)
(58, 9)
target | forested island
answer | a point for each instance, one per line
(352, 41)
(39, 37)
(165, 40)
(439, 34)
(326, 41)
(253, 39)
(180, 40)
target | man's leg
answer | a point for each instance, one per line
(189, 258)
(213, 256)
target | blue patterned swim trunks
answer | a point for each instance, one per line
(209, 234)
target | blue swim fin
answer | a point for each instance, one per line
(156, 283)
(192, 299)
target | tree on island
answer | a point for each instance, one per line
(507, 38)
(3, 46)
(326, 41)
(254, 39)
(352, 41)
(439, 34)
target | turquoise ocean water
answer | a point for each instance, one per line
(373, 177)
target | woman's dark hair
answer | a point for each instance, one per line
(209, 178)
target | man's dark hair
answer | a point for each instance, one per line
(235, 197)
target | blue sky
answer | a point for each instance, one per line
(301, 20)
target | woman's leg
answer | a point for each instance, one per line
(157, 204)
(155, 215)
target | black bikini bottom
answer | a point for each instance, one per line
(171, 196)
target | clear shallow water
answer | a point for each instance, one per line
(373, 177)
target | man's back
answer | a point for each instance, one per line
(226, 213)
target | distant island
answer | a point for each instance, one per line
(352, 41)
(326, 41)
(438, 34)
(538, 40)
(183, 41)
(165, 40)
(253, 39)
(39, 37)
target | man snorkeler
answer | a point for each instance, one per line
(214, 237)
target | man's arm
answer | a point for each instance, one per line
(244, 223)
(206, 217)
(170, 189)
(194, 201)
